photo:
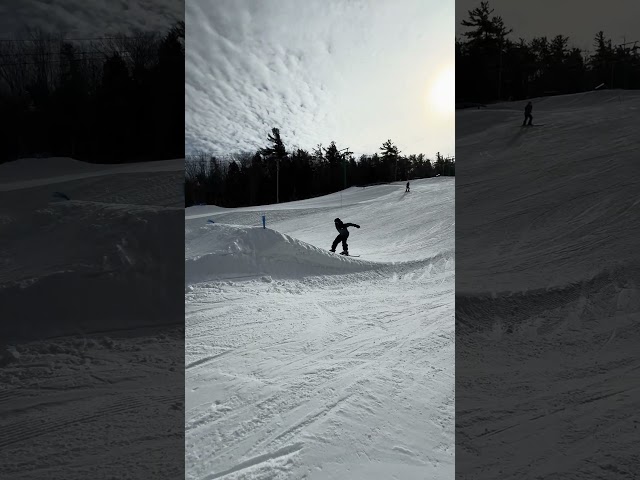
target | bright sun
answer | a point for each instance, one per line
(442, 93)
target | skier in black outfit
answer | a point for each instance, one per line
(342, 236)
(407, 189)
(527, 114)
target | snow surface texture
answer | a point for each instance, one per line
(91, 334)
(301, 363)
(547, 293)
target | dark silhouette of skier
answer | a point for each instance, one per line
(527, 114)
(407, 189)
(342, 235)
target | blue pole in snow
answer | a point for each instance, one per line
(264, 221)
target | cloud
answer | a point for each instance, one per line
(356, 72)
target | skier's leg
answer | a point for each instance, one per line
(345, 247)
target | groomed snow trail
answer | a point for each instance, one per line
(552, 212)
(305, 364)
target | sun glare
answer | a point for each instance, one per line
(442, 92)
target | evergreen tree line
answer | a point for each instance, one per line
(106, 100)
(273, 174)
(491, 67)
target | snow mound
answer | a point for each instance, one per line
(108, 259)
(218, 251)
(78, 267)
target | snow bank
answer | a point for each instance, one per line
(217, 251)
(84, 266)
(78, 267)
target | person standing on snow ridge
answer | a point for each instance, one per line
(342, 235)
(527, 114)
(407, 189)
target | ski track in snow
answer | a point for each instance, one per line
(560, 318)
(304, 364)
(84, 376)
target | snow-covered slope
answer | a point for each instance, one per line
(90, 318)
(305, 364)
(548, 275)
(553, 204)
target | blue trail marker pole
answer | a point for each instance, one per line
(264, 221)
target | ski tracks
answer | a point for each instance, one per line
(288, 380)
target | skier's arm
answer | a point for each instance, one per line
(351, 225)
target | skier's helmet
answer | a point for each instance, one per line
(337, 220)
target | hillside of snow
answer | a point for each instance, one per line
(547, 292)
(301, 363)
(91, 332)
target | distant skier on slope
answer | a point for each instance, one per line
(342, 235)
(527, 114)
(407, 189)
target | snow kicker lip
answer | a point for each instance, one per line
(225, 251)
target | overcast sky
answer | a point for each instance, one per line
(89, 18)
(580, 20)
(357, 72)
